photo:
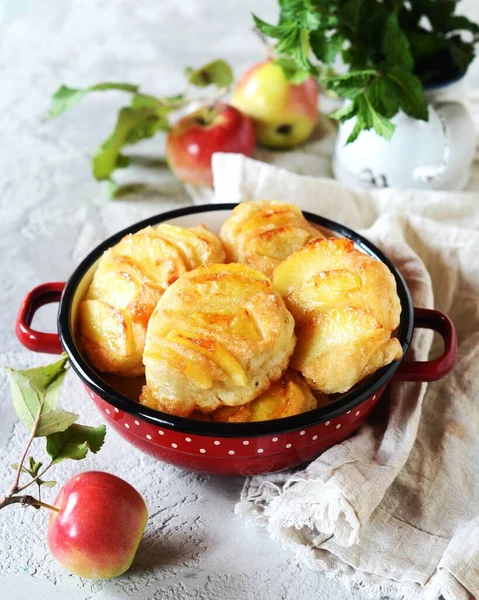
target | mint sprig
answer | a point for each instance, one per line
(388, 49)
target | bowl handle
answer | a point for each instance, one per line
(30, 338)
(431, 370)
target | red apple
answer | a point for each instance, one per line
(96, 532)
(284, 114)
(194, 138)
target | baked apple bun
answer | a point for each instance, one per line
(346, 309)
(288, 396)
(262, 233)
(130, 279)
(219, 336)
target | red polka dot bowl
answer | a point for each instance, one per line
(230, 448)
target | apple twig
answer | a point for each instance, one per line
(26, 500)
(35, 479)
(15, 489)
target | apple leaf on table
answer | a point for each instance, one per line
(65, 97)
(217, 72)
(145, 116)
(133, 124)
(35, 397)
(75, 442)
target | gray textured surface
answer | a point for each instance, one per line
(51, 214)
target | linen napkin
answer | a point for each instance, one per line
(393, 510)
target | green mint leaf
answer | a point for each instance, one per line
(353, 136)
(75, 442)
(396, 45)
(409, 92)
(302, 12)
(292, 73)
(326, 48)
(54, 421)
(36, 389)
(350, 85)
(344, 113)
(384, 96)
(275, 31)
(217, 72)
(368, 118)
(133, 125)
(461, 23)
(350, 13)
(65, 97)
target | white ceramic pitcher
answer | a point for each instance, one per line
(430, 155)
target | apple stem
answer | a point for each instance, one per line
(39, 503)
(26, 501)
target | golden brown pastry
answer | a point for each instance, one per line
(262, 233)
(130, 279)
(219, 335)
(288, 396)
(346, 308)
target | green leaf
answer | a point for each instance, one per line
(65, 97)
(326, 48)
(75, 442)
(384, 96)
(217, 72)
(33, 466)
(293, 74)
(350, 85)
(35, 390)
(296, 44)
(54, 421)
(112, 188)
(22, 470)
(344, 113)
(302, 12)
(350, 13)
(409, 92)
(274, 31)
(461, 23)
(396, 45)
(48, 484)
(143, 101)
(368, 118)
(133, 125)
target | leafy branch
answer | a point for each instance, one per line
(390, 52)
(144, 117)
(35, 396)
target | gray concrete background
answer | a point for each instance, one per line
(51, 214)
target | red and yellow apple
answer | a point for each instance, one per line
(96, 532)
(194, 138)
(284, 114)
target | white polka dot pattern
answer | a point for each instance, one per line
(309, 441)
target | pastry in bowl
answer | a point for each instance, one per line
(346, 308)
(262, 233)
(288, 396)
(219, 336)
(130, 279)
